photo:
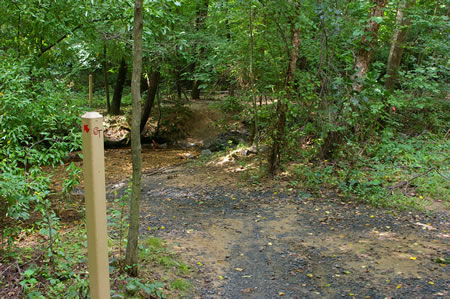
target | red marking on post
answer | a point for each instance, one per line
(97, 131)
(86, 128)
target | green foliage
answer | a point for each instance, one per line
(72, 180)
(181, 285)
(229, 104)
(135, 286)
(155, 250)
(386, 147)
(400, 172)
(34, 133)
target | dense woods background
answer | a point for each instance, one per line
(350, 95)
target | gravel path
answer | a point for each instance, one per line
(265, 243)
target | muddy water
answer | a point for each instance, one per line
(248, 243)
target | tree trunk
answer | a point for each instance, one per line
(195, 93)
(364, 54)
(118, 89)
(131, 257)
(278, 135)
(105, 77)
(200, 21)
(398, 42)
(152, 83)
(254, 138)
(178, 85)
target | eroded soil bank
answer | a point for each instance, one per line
(261, 242)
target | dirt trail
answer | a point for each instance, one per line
(269, 241)
(266, 243)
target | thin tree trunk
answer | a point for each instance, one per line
(118, 89)
(105, 76)
(398, 43)
(152, 83)
(195, 93)
(278, 135)
(364, 54)
(254, 134)
(178, 85)
(131, 256)
(200, 21)
(255, 137)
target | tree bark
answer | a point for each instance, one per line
(118, 89)
(131, 257)
(364, 54)
(278, 135)
(195, 93)
(399, 36)
(152, 83)
(105, 77)
(200, 21)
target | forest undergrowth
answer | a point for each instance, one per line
(347, 97)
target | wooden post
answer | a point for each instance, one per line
(90, 90)
(95, 197)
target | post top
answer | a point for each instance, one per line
(92, 115)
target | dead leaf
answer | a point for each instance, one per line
(425, 226)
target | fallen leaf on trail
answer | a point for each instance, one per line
(239, 269)
(281, 293)
(442, 261)
(399, 286)
(309, 275)
(412, 258)
(169, 199)
(425, 226)
(430, 282)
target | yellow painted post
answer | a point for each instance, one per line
(90, 90)
(95, 197)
